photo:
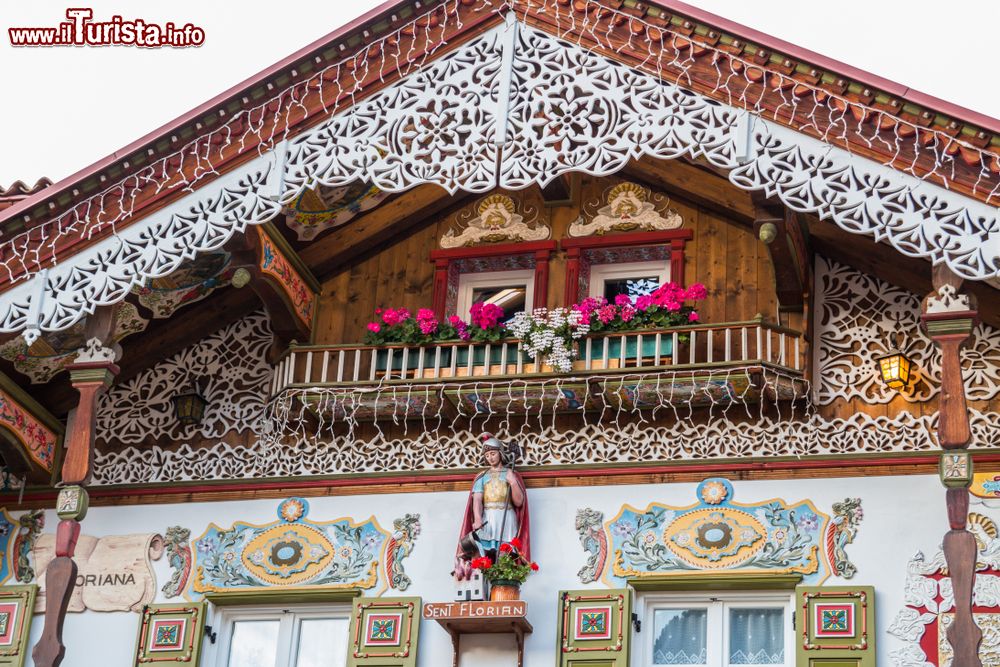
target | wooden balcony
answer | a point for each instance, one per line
(713, 362)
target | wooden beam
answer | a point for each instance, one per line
(364, 233)
(778, 228)
(697, 184)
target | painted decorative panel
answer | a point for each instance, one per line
(384, 632)
(497, 218)
(38, 440)
(628, 207)
(170, 633)
(594, 628)
(835, 625)
(717, 533)
(16, 609)
(860, 318)
(191, 283)
(319, 209)
(298, 552)
(275, 264)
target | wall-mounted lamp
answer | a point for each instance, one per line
(189, 407)
(895, 368)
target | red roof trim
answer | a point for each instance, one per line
(831, 65)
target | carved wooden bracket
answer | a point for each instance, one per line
(280, 279)
(785, 237)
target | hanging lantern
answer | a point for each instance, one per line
(895, 368)
(189, 407)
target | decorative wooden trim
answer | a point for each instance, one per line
(282, 596)
(576, 475)
(574, 248)
(862, 598)
(716, 580)
(444, 257)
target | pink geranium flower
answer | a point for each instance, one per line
(374, 327)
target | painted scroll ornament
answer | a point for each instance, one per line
(716, 533)
(628, 210)
(497, 222)
(179, 555)
(115, 571)
(296, 551)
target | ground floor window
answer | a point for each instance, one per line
(718, 630)
(281, 636)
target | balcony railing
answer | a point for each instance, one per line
(732, 344)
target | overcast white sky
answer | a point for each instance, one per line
(65, 108)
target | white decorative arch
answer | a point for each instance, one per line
(511, 108)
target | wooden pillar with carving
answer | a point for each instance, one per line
(91, 374)
(949, 318)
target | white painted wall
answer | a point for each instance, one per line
(901, 516)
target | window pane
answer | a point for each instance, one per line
(510, 298)
(635, 286)
(254, 644)
(680, 637)
(756, 637)
(322, 642)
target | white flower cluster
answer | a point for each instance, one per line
(550, 334)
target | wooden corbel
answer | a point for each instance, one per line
(280, 279)
(91, 373)
(949, 318)
(784, 236)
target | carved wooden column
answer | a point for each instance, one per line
(440, 287)
(949, 318)
(91, 374)
(572, 288)
(541, 286)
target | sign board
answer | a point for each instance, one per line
(441, 611)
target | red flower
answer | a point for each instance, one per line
(482, 563)
(516, 543)
(506, 548)
(534, 567)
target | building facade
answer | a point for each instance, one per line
(694, 332)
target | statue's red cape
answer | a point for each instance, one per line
(523, 523)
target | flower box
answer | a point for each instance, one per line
(412, 359)
(632, 347)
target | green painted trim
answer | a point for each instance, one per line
(293, 257)
(282, 596)
(25, 594)
(725, 581)
(31, 405)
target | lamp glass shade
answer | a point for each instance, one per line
(895, 369)
(189, 408)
